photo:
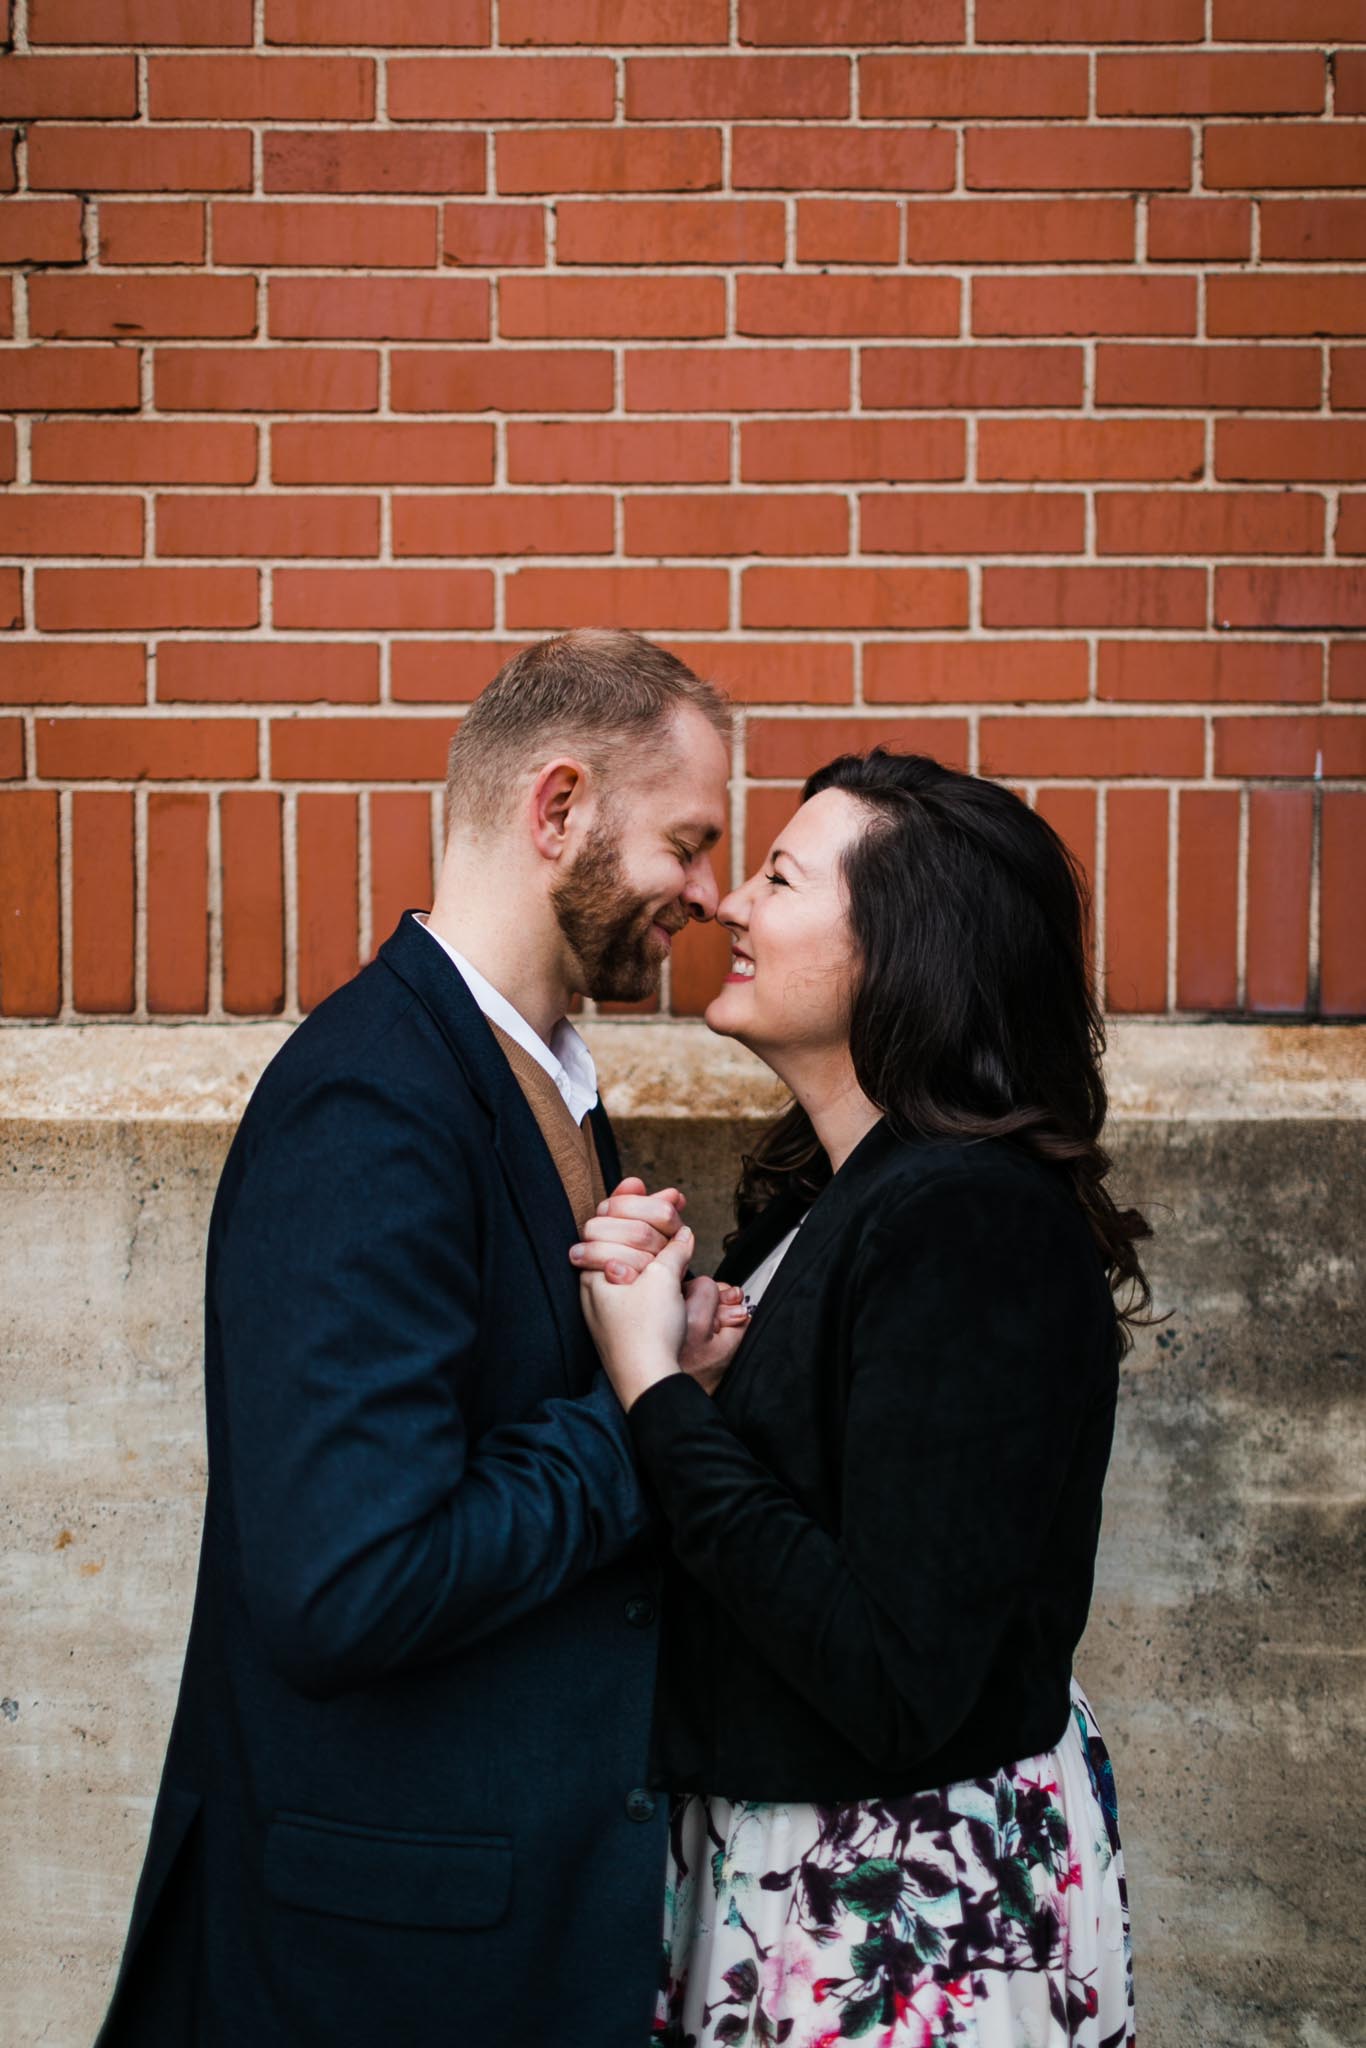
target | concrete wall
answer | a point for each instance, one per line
(1224, 1653)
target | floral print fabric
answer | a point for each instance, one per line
(991, 1913)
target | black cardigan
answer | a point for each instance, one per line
(884, 1525)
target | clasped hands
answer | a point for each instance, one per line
(648, 1320)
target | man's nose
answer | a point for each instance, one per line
(702, 894)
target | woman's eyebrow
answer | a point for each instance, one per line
(781, 853)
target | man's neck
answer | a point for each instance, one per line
(534, 987)
(491, 912)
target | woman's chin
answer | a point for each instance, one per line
(723, 1014)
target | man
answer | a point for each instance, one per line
(404, 1801)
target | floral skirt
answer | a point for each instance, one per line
(991, 1912)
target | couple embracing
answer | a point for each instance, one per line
(586, 1652)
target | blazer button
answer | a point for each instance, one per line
(640, 1804)
(640, 1613)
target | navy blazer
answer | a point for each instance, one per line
(404, 1797)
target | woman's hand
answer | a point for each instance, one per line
(629, 1230)
(717, 1319)
(639, 1330)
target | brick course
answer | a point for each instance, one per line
(994, 388)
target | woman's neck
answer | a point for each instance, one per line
(825, 1085)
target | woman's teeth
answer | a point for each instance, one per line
(742, 967)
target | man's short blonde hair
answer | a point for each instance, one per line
(598, 693)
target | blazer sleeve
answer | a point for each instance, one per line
(374, 1536)
(970, 1311)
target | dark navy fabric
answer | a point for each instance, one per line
(403, 1801)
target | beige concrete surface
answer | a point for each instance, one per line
(1225, 1652)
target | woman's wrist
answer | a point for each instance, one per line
(647, 1367)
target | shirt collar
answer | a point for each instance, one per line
(566, 1059)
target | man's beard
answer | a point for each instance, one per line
(607, 925)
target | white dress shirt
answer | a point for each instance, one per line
(566, 1059)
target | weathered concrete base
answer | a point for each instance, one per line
(1224, 1655)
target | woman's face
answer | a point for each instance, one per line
(793, 958)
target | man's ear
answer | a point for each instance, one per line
(560, 788)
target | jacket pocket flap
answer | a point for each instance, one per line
(398, 1880)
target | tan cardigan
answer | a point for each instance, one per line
(571, 1145)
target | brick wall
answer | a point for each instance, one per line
(918, 370)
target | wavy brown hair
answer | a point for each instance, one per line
(973, 1013)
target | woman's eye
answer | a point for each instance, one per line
(777, 879)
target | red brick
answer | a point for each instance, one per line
(1201, 230)
(1342, 925)
(152, 231)
(260, 88)
(974, 671)
(1302, 599)
(972, 523)
(411, 600)
(7, 451)
(253, 525)
(737, 523)
(379, 308)
(253, 902)
(776, 22)
(767, 811)
(1347, 671)
(377, 749)
(1077, 159)
(1136, 900)
(445, 671)
(497, 523)
(1079, 450)
(848, 231)
(68, 379)
(1312, 230)
(124, 600)
(971, 87)
(390, 160)
(897, 159)
(1019, 231)
(1094, 597)
(613, 21)
(191, 22)
(1315, 302)
(322, 237)
(971, 379)
(883, 599)
(139, 160)
(1280, 837)
(68, 88)
(1271, 21)
(177, 903)
(1206, 376)
(266, 672)
(1347, 387)
(737, 380)
(11, 599)
(1349, 82)
(1291, 451)
(390, 24)
(847, 305)
(40, 231)
(1209, 523)
(381, 452)
(73, 672)
(1269, 154)
(47, 523)
(605, 308)
(484, 236)
(1207, 899)
(30, 935)
(736, 88)
(1302, 744)
(506, 380)
(1089, 21)
(854, 451)
(267, 380)
(649, 599)
(618, 452)
(790, 749)
(143, 452)
(670, 231)
(11, 749)
(80, 308)
(1084, 305)
(774, 672)
(1071, 813)
(1350, 535)
(400, 857)
(608, 160)
(102, 901)
(501, 89)
(327, 862)
(87, 749)
(1222, 82)
(1209, 671)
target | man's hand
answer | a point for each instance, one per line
(629, 1231)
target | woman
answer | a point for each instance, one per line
(894, 1813)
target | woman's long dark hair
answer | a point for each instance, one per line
(973, 1014)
